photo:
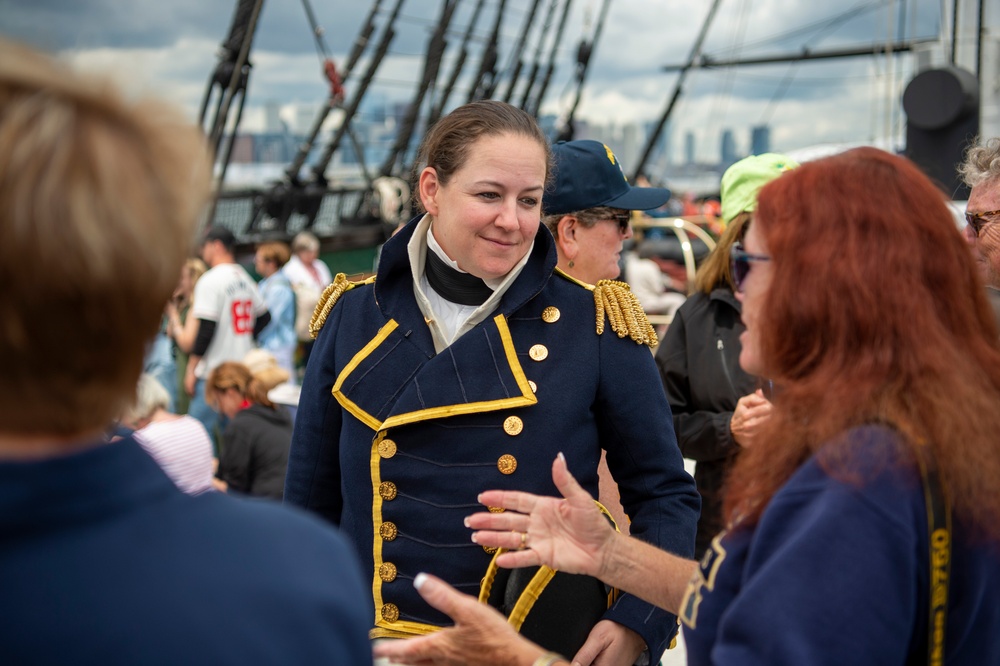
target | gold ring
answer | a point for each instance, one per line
(524, 540)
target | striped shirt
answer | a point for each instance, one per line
(182, 448)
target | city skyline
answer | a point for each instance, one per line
(170, 51)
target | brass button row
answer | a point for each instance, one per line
(513, 425)
(390, 612)
(507, 464)
(387, 448)
(388, 531)
(387, 572)
(387, 490)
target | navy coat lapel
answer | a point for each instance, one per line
(397, 379)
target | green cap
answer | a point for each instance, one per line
(743, 180)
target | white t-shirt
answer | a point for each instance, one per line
(228, 296)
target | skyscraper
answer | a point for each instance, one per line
(760, 140)
(729, 155)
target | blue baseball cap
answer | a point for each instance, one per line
(588, 175)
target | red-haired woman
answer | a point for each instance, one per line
(877, 470)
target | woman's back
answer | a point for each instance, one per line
(253, 456)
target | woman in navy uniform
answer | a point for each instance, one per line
(466, 364)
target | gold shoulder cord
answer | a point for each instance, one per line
(616, 300)
(329, 298)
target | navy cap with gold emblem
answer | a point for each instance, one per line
(588, 175)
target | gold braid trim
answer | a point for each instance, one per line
(616, 300)
(329, 298)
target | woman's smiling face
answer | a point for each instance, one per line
(486, 216)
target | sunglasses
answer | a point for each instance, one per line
(623, 218)
(741, 261)
(979, 220)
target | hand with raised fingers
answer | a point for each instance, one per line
(569, 534)
(480, 634)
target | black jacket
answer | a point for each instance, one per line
(699, 365)
(253, 457)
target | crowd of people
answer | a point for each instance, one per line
(834, 375)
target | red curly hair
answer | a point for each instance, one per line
(875, 313)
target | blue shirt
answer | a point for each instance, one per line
(280, 299)
(837, 573)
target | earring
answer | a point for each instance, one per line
(571, 263)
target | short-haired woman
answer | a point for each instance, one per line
(178, 443)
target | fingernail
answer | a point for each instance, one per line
(474, 538)
(562, 457)
(419, 580)
(479, 498)
(465, 521)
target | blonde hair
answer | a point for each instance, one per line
(717, 270)
(194, 268)
(99, 199)
(305, 241)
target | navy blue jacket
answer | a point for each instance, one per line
(837, 573)
(394, 442)
(104, 561)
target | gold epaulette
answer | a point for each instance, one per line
(614, 299)
(329, 298)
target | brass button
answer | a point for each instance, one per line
(387, 448)
(490, 549)
(533, 385)
(538, 353)
(507, 464)
(387, 489)
(550, 315)
(387, 572)
(390, 612)
(495, 509)
(512, 425)
(388, 531)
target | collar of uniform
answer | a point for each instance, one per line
(397, 266)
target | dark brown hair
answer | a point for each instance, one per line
(446, 145)
(875, 314)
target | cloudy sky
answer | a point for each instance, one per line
(169, 47)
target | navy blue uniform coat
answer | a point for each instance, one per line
(394, 442)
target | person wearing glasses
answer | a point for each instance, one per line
(865, 523)
(717, 407)
(981, 172)
(466, 364)
(589, 209)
